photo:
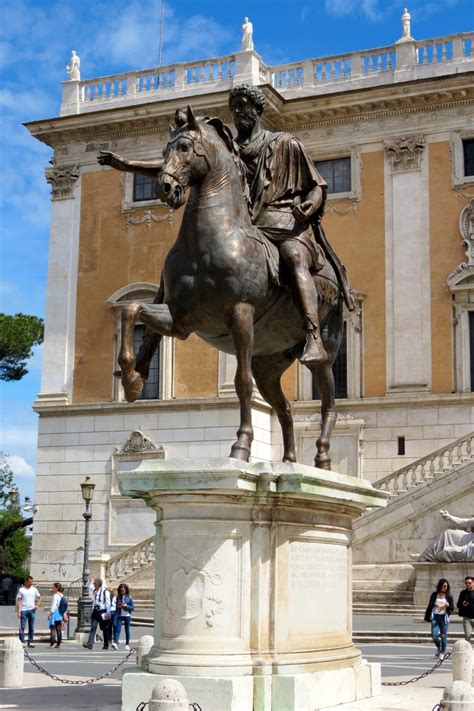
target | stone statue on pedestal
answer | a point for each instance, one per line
(406, 18)
(453, 545)
(73, 67)
(247, 36)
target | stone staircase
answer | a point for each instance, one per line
(386, 540)
(422, 471)
(136, 567)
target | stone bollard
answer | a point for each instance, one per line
(145, 643)
(458, 696)
(11, 664)
(168, 695)
(462, 661)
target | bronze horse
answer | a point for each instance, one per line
(216, 283)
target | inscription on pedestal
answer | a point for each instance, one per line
(318, 582)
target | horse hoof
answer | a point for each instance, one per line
(133, 386)
(289, 459)
(323, 462)
(238, 452)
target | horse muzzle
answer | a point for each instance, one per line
(169, 189)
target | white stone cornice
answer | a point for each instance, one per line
(62, 179)
(405, 153)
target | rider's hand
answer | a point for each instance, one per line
(304, 210)
(112, 159)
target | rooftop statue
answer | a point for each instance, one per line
(247, 35)
(251, 271)
(73, 67)
(453, 545)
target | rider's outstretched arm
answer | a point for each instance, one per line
(144, 167)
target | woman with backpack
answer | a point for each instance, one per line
(56, 614)
(124, 606)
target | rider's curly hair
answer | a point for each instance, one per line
(256, 96)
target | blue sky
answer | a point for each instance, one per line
(36, 40)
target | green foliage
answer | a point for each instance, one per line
(6, 483)
(18, 335)
(17, 545)
(14, 543)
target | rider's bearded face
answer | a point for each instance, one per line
(244, 112)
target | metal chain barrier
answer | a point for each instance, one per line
(436, 708)
(61, 680)
(417, 678)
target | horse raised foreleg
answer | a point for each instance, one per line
(151, 341)
(241, 328)
(267, 371)
(158, 318)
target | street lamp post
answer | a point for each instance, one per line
(84, 604)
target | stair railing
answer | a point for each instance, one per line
(429, 467)
(130, 560)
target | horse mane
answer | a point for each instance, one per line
(225, 134)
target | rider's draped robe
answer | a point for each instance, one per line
(280, 174)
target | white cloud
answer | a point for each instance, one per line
(340, 8)
(20, 466)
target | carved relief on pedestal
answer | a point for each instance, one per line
(405, 153)
(194, 592)
(62, 181)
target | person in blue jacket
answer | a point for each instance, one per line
(123, 604)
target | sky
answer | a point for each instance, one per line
(112, 36)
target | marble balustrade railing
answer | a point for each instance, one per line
(130, 560)
(425, 58)
(427, 468)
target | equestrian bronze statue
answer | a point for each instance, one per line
(251, 271)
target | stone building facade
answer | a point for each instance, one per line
(392, 131)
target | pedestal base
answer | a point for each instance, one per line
(298, 692)
(253, 585)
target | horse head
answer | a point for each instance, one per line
(194, 147)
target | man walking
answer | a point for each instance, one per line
(100, 613)
(28, 600)
(465, 607)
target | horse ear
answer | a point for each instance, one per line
(192, 122)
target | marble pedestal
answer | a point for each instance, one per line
(253, 585)
(428, 574)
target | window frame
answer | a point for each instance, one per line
(458, 176)
(128, 202)
(354, 153)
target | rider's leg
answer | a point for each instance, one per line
(296, 258)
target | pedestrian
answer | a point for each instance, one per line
(124, 606)
(439, 608)
(100, 613)
(6, 590)
(465, 607)
(56, 615)
(28, 600)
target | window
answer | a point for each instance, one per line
(143, 188)
(336, 173)
(468, 153)
(339, 368)
(151, 390)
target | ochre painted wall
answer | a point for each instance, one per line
(359, 240)
(111, 256)
(446, 253)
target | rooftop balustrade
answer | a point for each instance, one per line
(405, 60)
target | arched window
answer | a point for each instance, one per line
(159, 384)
